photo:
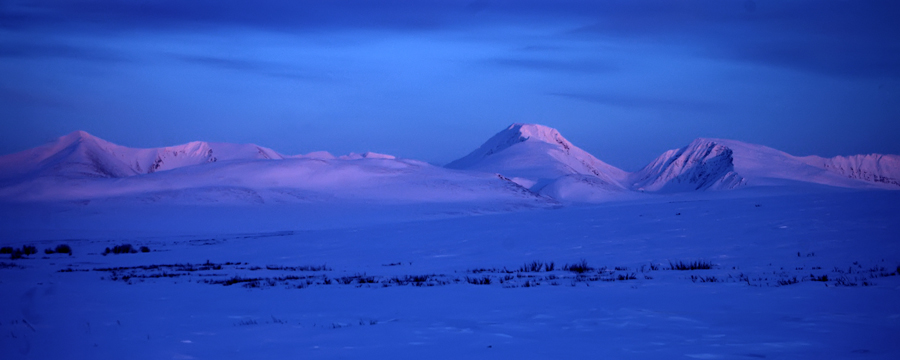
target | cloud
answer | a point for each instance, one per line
(554, 65)
(250, 66)
(639, 102)
(839, 38)
(847, 38)
(832, 37)
(101, 15)
(56, 50)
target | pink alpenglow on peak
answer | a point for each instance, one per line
(704, 164)
(523, 165)
(80, 154)
(536, 156)
(82, 168)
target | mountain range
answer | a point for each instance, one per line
(526, 164)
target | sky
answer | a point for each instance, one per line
(432, 80)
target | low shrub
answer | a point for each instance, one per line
(537, 266)
(121, 249)
(704, 279)
(479, 281)
(29, 250)
(696, 265)
(580, 267)
(6, 250)
(145, 249)
(790, 281)
(24, 251)
(622, 277)
(63, 249)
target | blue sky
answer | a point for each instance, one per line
(432, 80)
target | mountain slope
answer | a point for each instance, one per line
(761, 166)
(702, 165)
(296, 180)
(536, 156)
(523, 164)
(874, 168)
(83, 168)
(722, 164)
(80, 154)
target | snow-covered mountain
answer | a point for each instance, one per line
(525, 164)
(80, 154)
(761, 165)
(721, 164)
(702, 165)
(875, 168)
(539, 158)
(79, 166)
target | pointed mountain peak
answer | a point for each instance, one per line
(512, 135)
(77, 135)
(80, 134)
(536, 132)
(534, 156)
(516, 133)
(80, 138)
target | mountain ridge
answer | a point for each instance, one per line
(529, 158)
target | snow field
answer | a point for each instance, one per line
(769, 236)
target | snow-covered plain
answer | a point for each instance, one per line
(460, 266)
(754, 239)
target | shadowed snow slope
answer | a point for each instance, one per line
(703, 165)
(537, 157)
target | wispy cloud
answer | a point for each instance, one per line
(251, 66)
(835, 37)
(640, 102)
(58, 50)
(554, 65)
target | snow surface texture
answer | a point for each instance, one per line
(791, 276)
(524, 165)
